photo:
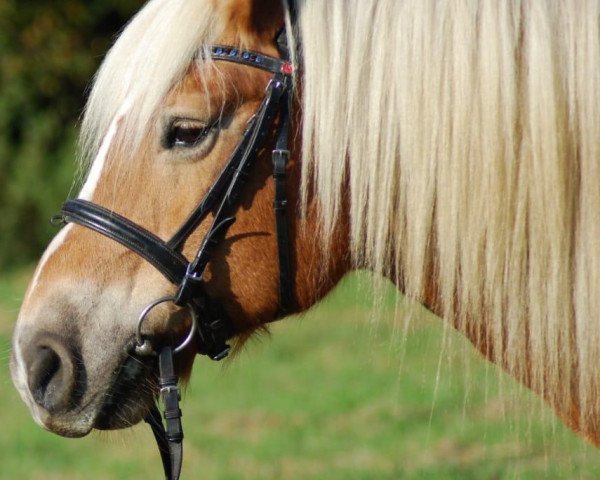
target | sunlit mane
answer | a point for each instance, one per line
(151, 54)
(469, 133)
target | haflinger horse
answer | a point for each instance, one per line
(451, 146)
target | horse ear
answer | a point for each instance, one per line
(254, 20)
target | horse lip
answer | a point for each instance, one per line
(119, 395)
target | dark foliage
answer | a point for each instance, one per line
(49, 52)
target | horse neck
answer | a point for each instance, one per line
(318, 266)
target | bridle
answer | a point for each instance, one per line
(210, 325)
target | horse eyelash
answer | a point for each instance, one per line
(168, 142)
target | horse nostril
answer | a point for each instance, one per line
(42, 372)
(51, 374)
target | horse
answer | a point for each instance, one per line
(452, 147)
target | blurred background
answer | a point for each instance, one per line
(334, 394)
(48, 54)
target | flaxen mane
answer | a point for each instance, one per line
(466, 136)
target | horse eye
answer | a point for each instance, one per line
(186, 134)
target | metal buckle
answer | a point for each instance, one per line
(189, 285)
(222, 354)
(171, 388)
(58, 220)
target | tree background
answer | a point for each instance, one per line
(49, 52)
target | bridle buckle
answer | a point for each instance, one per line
(222, 354)
(188, 287)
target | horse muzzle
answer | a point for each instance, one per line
(69, 396)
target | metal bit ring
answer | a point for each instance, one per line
(144, 346)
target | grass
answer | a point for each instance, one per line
(330, 395)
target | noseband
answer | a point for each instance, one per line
(210, 325)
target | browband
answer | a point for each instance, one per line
(251, 59)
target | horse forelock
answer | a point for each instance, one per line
(154, 52)
(149, 58)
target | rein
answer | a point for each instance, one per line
(210, 325)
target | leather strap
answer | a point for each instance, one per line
(170, 438)
(214, 192)
(170, 395)
(249, 58)
(281, 156)
(154, 419)
(116, 227)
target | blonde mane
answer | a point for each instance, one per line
(465, 137)
(463, 140)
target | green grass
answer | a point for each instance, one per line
(331, 395)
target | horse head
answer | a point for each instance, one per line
(166, 145)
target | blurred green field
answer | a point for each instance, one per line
(330, 395)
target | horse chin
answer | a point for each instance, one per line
(68, 429)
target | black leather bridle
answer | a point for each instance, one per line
(211, 326)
